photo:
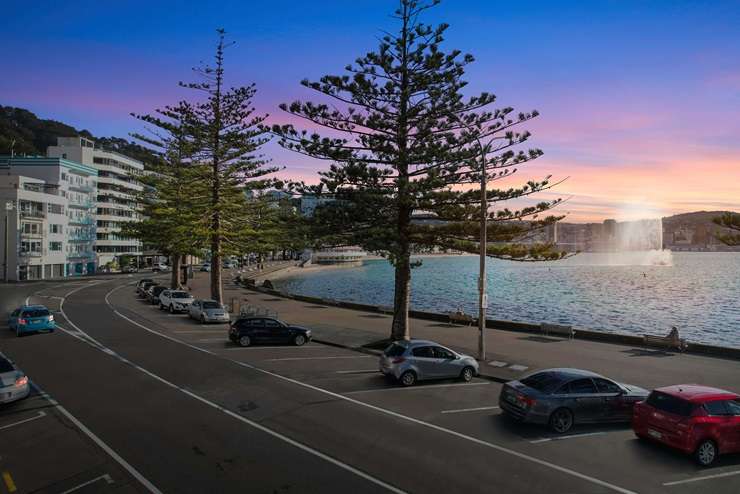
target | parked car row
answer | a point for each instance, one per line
(181, 301)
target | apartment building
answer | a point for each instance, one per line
(117, 187)
(48, 207)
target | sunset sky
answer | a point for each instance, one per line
(640, 100)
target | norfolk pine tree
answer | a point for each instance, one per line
(227, 136)
(410, 141)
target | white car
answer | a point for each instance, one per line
(175, 300)
(14, 384)
(160, 266)
(208, 311)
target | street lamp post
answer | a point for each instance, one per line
(8, 208)
(482, 281)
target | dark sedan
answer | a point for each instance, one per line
(249, 330)
(562, 398)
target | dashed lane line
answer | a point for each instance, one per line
(429, 425)
(35, 417)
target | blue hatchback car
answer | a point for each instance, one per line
(30, 319)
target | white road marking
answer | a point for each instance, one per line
(699, 479)
(429, 425)
(498, 363)
(417, 388)
(130, 469)
(368, 371)
(570, 436)
(517, 367)
(463, 410)
(196, 331)
(315, 358)
(105, 477)
(38, 416)
(210, 340)
(284, 347)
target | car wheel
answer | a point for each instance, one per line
(467, 374)
(561, 420)
(245, 341)
(299, 340)
(706, 453)
(408, 378)
(202, 319)
(172, 309)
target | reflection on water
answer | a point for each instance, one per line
(698, 292)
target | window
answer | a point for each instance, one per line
(733, 406)
(250, 323)
(35, 313)
(5, 366)
(582, 387)
(423, 352)
(180, 295)
(55, 246)
(271, 323)
(545, 382)
(670, 404)
(395, 350)
(54, 228)
(606, 386)
(718, 407)
(211, 305)
(443, 353)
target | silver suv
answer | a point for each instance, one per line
(418, 360)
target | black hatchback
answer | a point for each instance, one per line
(250, 330)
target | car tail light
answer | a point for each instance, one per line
(526, 400)
(22, 321)
(398, 360)
(21, 381)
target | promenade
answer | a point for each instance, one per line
(509, 354)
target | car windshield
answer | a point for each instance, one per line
(180, 295)
(545, 382)
(35, 313)
(394, 350)
(5, 366)
(670, 404)
(211, 305)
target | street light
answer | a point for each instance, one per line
(8, 209)
(482, 295)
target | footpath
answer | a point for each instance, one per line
(509, 355)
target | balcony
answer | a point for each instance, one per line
(31, 253)
(81, 188)
(82, 221)
(33, 214)
(32, 235)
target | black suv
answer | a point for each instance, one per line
(249, 330)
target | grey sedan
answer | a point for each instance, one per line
(561, 398)
(417, 360)
(14, 384)
(208, 311)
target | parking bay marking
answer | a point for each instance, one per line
(105, 477)
(429, 425)
(570, 436)
(368, 371)
(315, 358)
(477, 409)
(417, 388)
(38, 416)
(698, 479)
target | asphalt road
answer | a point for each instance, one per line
(160, 403)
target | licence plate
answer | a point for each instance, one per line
(655, 434)
(511, 398)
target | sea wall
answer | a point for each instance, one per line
(582, 334)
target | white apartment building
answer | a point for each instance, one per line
(118, 186)
(47, 205)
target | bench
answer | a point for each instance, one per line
(665, 342)
(557, 329)
(460, 318)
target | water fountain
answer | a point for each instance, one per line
(637, 243)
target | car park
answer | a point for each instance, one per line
(246, 331)
(152, 294)
(207, 311)
(144, 288)
(14, 383)
(419, 360)
(160, 267)
(175, 300)
(562, 398)
(31, 319)
(698, 420)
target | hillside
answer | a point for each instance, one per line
(32, 135)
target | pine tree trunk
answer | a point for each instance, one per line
(400, 328)
(175, 278)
